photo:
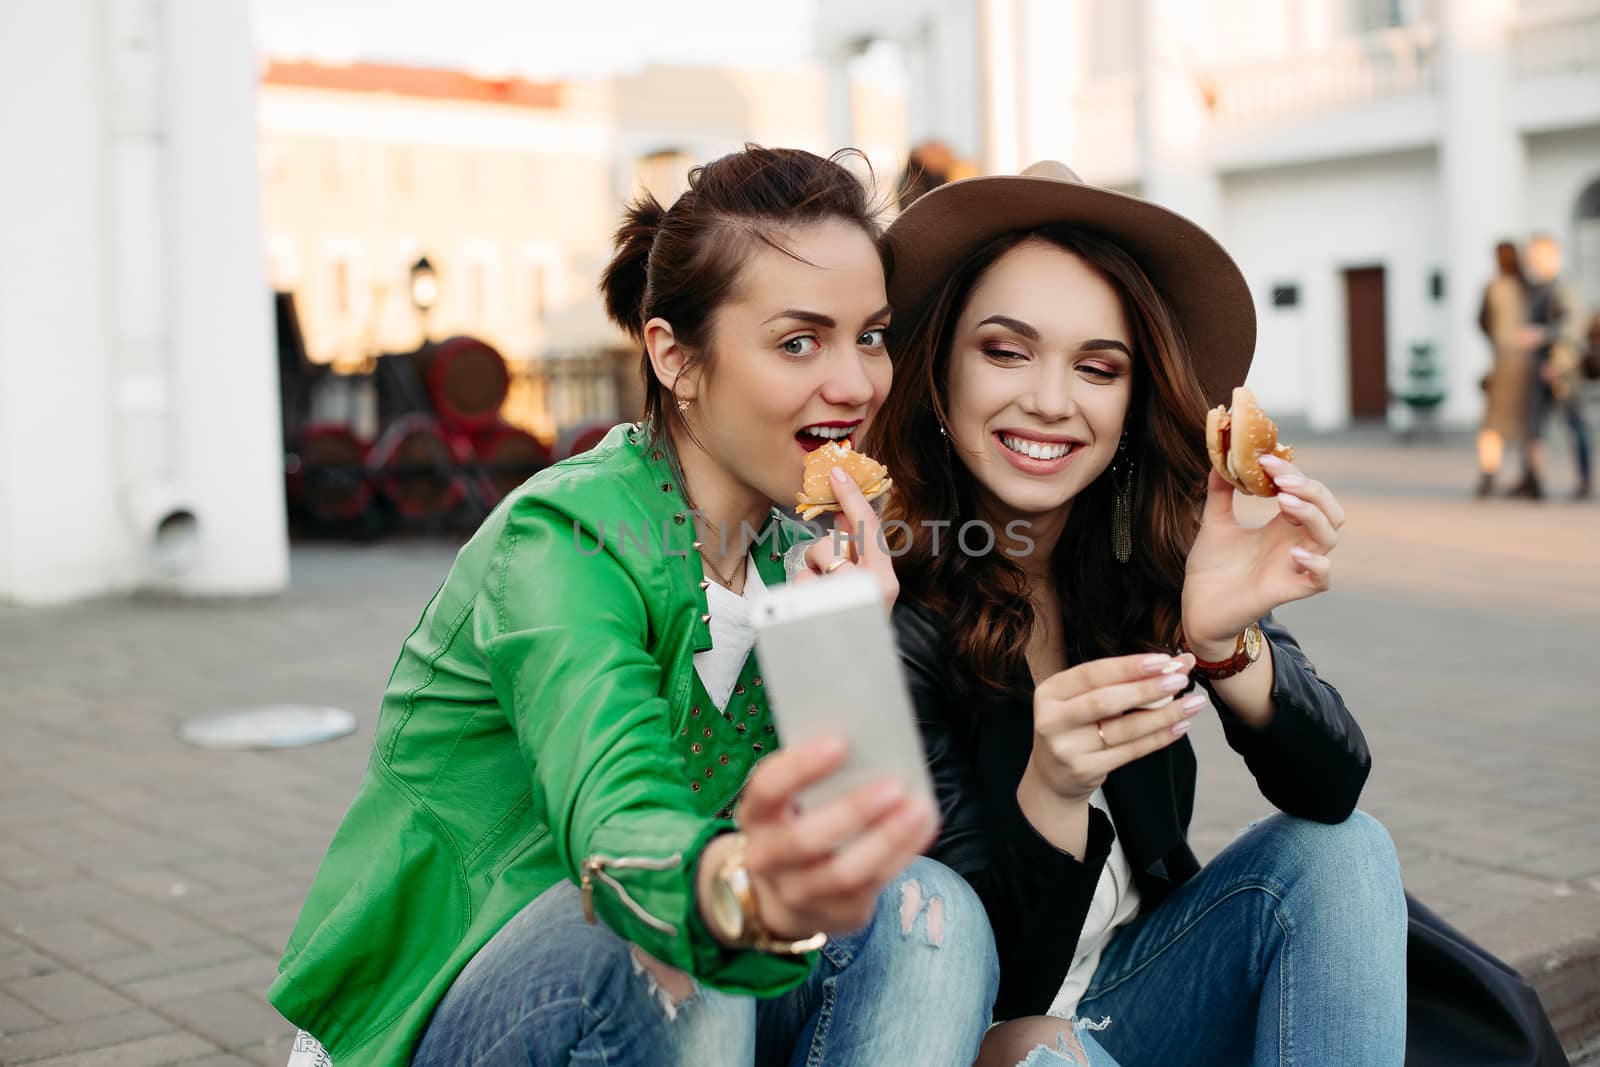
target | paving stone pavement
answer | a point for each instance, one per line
(147, 887)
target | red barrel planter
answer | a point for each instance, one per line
(416, 466)
(586, 437)
(467, 381)
(327, 474)
(507, 457)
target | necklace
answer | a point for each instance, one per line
(712, 567)
(699, 546)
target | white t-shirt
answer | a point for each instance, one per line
(1115, 903)
(733, 635)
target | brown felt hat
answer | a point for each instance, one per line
(1200, 282)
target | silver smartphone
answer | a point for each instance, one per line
(831, 668)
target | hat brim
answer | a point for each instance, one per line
(1198, 279)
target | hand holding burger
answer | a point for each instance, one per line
(1237, 574)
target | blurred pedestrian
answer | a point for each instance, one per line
(1554, 341)
(1502, 317)
(930, 165)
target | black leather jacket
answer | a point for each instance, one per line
(1310, 761)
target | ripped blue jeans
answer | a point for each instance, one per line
(1287, 948)
(915, 986)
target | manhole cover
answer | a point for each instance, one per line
(269, 726)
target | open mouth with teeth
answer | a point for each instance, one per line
(1038, 450)
(814, 437)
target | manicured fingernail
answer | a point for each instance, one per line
(1291, 501)
(1174, 682)
(1193, 704)
(838, 475)
(1181, 728)
(1156, 664)
(1302, 555)
(1270, 461)
(1290, 481)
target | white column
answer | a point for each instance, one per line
(139, 441)
(922, 76)
(1003, 87)
(841, 99)
(225, 369)
(1482, 169)
(1174, 121)
(61, 534)
(958, 76)
(1051, 49)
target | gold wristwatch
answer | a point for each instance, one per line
(733, 914)
(1245, 652)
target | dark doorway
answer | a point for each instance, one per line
(1366, 325)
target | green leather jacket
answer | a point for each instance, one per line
(544, 722)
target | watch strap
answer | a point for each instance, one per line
(736, 876)
(1217, 670)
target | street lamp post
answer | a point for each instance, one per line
(424, 293)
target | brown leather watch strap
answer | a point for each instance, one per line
(1217, 670)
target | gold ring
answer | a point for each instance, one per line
(1104, 743)
(835, 565)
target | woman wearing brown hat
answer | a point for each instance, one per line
(1057, 345)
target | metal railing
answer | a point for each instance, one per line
(551, 395)
(1375, 66)
(1557, 43)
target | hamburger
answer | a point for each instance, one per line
(816, 492)
(1237, 438)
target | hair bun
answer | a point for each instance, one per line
(627, 276)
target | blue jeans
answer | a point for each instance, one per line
(915, 986)
(1288, 948)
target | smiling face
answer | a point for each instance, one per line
(1040, 376)
(799, 358)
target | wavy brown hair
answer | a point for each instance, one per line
(1109, 608)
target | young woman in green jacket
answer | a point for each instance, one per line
(574, 841)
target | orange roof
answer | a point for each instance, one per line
(428, 82)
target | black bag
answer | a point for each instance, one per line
(1465, 1008)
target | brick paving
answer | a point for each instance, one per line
(147, 887)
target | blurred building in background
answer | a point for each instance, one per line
(1360, 158)
(510, 188)
(139, 438)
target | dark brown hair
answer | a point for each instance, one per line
(682, 263)
(1509, 261)
(1109, 608)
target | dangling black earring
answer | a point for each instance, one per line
(949, 468)
(1122, 503)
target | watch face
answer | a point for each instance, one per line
(726, 911)
(1253, 642)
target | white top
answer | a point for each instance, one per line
(733, 635)
(1115, 903)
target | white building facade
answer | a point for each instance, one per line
(139, 440)
(1360, 158)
